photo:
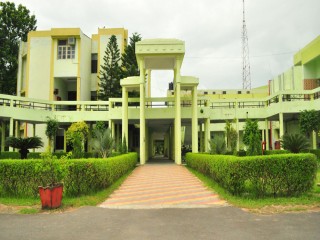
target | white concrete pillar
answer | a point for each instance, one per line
(238, 134)
(125, 114)
(3, 136)
(201, 138)
(177, 125)
(142, 114)
(267, 134)
(314, 140)
(194, 120)
(11, 129)
(206, 134)
(34, 133)
(281, 125)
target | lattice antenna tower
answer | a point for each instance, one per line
(246, 77)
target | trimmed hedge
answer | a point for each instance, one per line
(9, 155)
(275, 152)
(82, 176)
(273, 175)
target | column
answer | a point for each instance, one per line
(11, 132)
(206, 134)
(314, 140)
(125, 114)
(238, 134)
(34, 134)
(3, 136)
(281, 125)
(267, 134)
(17, 128)
(142, 115)
(177, 125)
(117, 134)
(201, 137)
(194, 120)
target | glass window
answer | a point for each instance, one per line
(66, 51)
(94, 63)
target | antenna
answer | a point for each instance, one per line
(246, 77)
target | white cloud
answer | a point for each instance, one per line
(210, 28)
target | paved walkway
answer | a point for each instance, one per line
(162, 186)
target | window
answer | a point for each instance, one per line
(66, 51)
(94, 63)
(239, 92)
(213, 93)
(205, 93)
(224, 92)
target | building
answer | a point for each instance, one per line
(58, 78)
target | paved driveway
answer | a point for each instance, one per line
(168, 223)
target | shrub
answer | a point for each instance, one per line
(10, 155)
(102, 142)
(22, 178)
(24, 144)
(252, 137)
(273, 175)
(217, 145)
(294, 143)
(274, 152)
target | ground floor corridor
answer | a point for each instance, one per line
(162, 184)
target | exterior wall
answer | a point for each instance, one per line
(38, 67)
(85, 68)
(291, 79)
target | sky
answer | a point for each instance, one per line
(211, 30)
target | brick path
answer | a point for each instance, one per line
(162, 186)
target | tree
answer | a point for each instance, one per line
(295, 143)
(103, 142)
(232, 136)
(76, 136)
(129, 64)
(309, 120)
(15, 23)
(110, 74)
(23, 144)
(252, 137)
(217, 145)
(51, 130)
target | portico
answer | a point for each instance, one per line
(160, 54)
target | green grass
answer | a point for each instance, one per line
(29, 211)
(312, 198)
(67, 202)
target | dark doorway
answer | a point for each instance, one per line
(72, 96)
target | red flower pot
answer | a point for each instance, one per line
(51, 196)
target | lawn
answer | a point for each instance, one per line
(307, 201)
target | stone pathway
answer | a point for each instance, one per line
(162, 186)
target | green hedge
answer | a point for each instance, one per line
(82, 176)
(274, 152)
(273, 175)
(9, 155)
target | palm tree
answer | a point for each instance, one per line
(295, 143)
(23, 144)
(103, 142)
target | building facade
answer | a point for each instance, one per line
(58, 78)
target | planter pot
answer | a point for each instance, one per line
(51, 196)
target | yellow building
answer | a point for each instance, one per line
(58, 79)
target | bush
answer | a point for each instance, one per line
(22, 178)
(9, 155)
(273, 175)
(274, 152)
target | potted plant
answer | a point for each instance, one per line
(24, 144)
(52, 172)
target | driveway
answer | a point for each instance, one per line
(167, 223)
